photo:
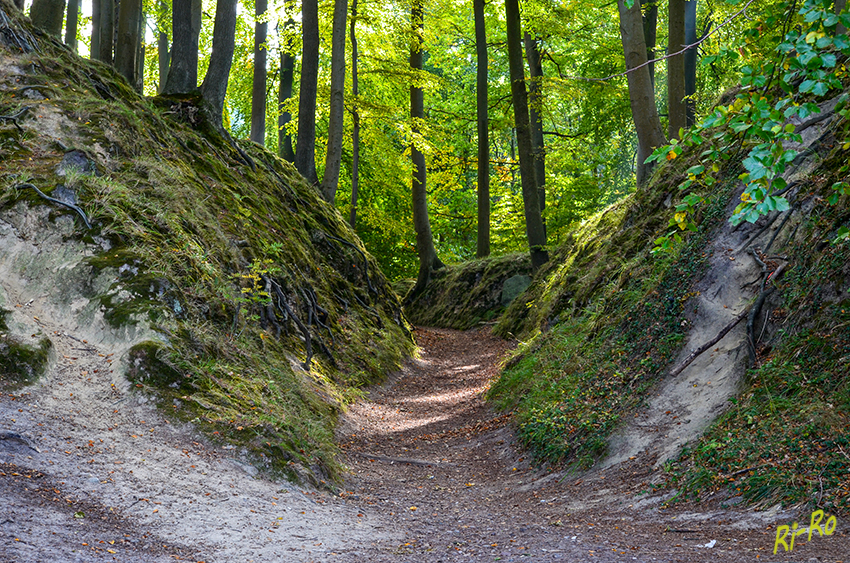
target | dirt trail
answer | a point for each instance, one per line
(429, 455)
(434, 477)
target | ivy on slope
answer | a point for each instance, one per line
(271, 313)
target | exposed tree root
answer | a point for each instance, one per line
(59, 202)
(13, 117)
(362, 255)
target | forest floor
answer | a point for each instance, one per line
(91, 471)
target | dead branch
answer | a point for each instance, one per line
(696, 353)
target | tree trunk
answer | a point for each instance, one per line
(164, 58)
(287, 64)
(127, 46)
(641, 95)
(677, 112)
(355, 120)
(48, 16)
(337, 103)
(428, 260)
(258, 89)
(690, 60)
(19, 4)
(185, 29)
(214, 87)
(483, 118)
(305, 146)
(71, 22)
(650, 33)
(535, 116)
(534, 228)
(94, 50)
(838, 5)
(107, 30)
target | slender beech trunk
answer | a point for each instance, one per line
(534, 228)
(127, 46)
(164, 58)
(287, 64)
(641, 95)
(481, 97)
(333, 157)
(535, 116)
(94, 50)
(258, 89)
(107, 30)
(185, 29)
(677, 111)
(305, 146)
(650, 33)
(428, 260)
(48, 16)
(355, 120)
(19, 4)
(690, 60)
(71, 22)
(838, 5)
(214, 87)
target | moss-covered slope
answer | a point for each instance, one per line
(463, 295)
(270, 314)
(604, 320)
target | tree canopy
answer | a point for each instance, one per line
(581, 100)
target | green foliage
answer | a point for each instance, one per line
(786, 85)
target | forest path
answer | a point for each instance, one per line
(432, 460)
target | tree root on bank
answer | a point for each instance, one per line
(59, 202)
(13, 117)
(280, 305)
(362, 255)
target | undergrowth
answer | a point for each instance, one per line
(267, 304)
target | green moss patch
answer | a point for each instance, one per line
(463, 295)
(20, 363)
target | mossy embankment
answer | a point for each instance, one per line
(269, 312)
(604, 320)
(461, 296)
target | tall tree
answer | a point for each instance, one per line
(428, 260)
(287, 65)
(185, 29)
(534, 229)
(129, 39)
(690, 60)
(214, 87)
(355, 119)
(677, 110)
(650, 32)
(535, 115)
(333, 157)
(162, 47)
(105, 30)
(483, 119)
(305, 146)
(641, 94)
(48, 16)
(258, 90)
(71, 21)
